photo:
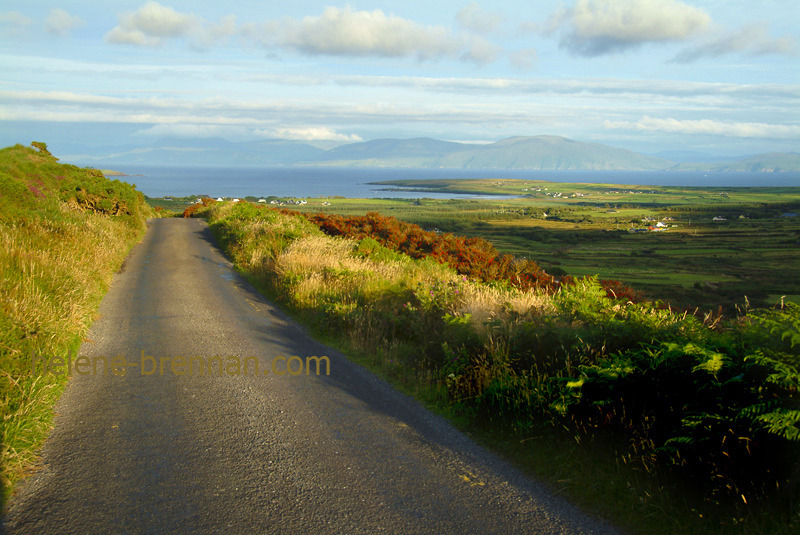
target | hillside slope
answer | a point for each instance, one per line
(766, 162)
(64, 232)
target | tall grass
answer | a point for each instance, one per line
(64, 231)
(710, 402)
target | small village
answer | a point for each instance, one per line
(655, 225)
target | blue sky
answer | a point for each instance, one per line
(719, 76)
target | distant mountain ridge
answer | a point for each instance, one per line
(766, 163)
(552, 152)
(532, 152)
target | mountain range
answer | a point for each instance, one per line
(535, 152)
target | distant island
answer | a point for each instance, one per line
(533, 152)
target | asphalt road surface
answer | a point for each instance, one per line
(164, 449)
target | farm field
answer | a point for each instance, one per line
(749, 254)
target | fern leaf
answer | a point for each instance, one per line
(782, 422)
(712, 365)
(758, 409)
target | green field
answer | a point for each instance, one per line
(586, 229)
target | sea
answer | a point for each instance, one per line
(358, 182)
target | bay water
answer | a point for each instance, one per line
(161, 181)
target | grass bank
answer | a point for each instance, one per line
(584, 229)
(64, 232)
(662, 422)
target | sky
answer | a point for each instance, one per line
(720, 77)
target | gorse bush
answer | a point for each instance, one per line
(715, 401)
(192, 208)
(473, 257)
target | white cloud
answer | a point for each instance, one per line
(679, 93)
(480, 51)
(213, 33)
(152, 24)
(336, 32)
(60, 22)
(709, 127)
(523, 59)
(595, 27)
(188, 130)
(516, 106)
(347, 32)
(474, 18)
(311, 133)
(228, 131)
(14, 22)
(344, 32)
(753, 39)
(74, 107)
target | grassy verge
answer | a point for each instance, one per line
(663, 422)
(64, 232)
(695, 262)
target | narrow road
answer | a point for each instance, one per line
(164, 449)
